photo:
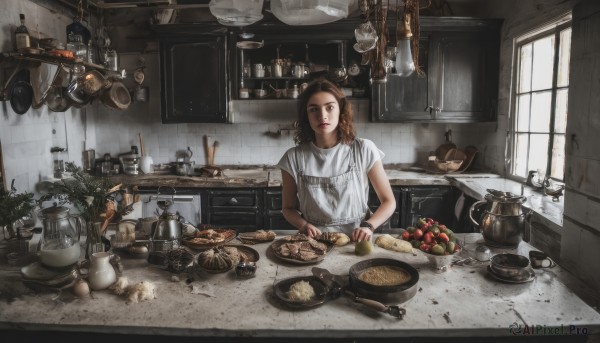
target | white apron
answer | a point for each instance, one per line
(336, 203)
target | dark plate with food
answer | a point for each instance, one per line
(259, 236)
(209, 238)
(300, 251)
(301, 292)
(386, 280)
(244, 253)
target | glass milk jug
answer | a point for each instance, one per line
(59, 244)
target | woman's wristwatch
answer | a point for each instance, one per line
(367, 224)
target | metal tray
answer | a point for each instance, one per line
(281, 288)
(273, 248)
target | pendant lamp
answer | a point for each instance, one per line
(310, 12)
(404, 59)
(236, 12)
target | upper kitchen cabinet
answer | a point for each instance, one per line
(461, 64)
(194, 77)
(278, 60)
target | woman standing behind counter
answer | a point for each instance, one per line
(326, 176)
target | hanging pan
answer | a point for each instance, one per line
(22, 92)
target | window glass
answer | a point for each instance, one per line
(541, 92)
(543, 62)
(540, 111)
(558, 157)
(560, 116)
(564, 58)
(525, 68)
(523, 112)
(521, 147)
(538, 152)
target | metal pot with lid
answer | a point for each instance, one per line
(502, 220)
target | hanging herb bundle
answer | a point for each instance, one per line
(14, 206)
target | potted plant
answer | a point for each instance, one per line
(92, 196)
(14, 206)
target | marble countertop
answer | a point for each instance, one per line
(463, 301)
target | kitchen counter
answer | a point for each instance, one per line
(474, 185)
(463, 301)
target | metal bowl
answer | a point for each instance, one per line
(440, 262)
(245, 269)
(509, 266)
(388, 295)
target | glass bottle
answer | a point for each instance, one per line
(22, 35)
(75, 44)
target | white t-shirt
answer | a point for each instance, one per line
(333, 161)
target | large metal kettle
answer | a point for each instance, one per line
(502, 220)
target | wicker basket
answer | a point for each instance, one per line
(178, 260)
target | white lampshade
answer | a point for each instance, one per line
(310, 12)
(236, 12)
(404, 60)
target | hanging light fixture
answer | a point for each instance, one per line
(405, 65)
(310, 12)
(236, 12)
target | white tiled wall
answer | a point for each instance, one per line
(26, 139)
(252, 137)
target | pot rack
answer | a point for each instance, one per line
(62, 63)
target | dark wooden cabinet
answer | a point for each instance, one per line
(193, 78)
(241, 209)
(460, 58)
(274, 219)
(394, 220)
(435, 202)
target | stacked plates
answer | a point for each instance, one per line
(39, 277)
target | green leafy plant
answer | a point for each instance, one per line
(14, 206)
(88, 193)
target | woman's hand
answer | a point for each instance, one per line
(310, 230)
(361, 234)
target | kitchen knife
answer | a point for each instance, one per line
(339, 283)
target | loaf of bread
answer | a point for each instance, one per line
(337, 238)
(395, 244)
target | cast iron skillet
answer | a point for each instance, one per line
(384, 294)
(22, 92)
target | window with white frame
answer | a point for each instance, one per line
(540, 93)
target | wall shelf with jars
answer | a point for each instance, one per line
(277, 68)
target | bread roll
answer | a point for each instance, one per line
(395, 244)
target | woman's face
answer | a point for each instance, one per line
(323, 113)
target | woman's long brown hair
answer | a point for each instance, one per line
(345, 129)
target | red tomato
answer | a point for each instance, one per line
(406, 235)
(425, 247)
(443, 237)
(418, 234)
(429, 221)
(428, 237)
(442, 227)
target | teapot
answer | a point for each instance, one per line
(502, 220)
(59, 243)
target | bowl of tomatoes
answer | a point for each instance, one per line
(435, 240)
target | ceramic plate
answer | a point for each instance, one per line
(528, 277)
(190, 242)
(275, 245)
(281, 288)
(254, 237)
(248, 254)
(52, 277)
